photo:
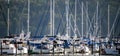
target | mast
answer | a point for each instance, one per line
(82, 20)
(52, 5)
(67, 20)
(108, 21)
(50, 17)
(75, 18)
(97, 20)
(75, 36)
(8, 21)
(53, 17)
(28, 15)
(87, 19)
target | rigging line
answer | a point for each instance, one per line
(41, 31)
(99, 23)
(20, 17)
(70, 8)
(94, 23)
(61, 17)
(91, 24)
(76, 27)
(88, 20)
(72, 28)
(87, 16)
(3, 14)
(44, 29)
(116, 26)
(40, 22)
(72, 25)
(58, 26)
(37, 28)
(64, 26)
(61, 20)
(114, 21)
(79, 6)
(70, 11)
(78, 31)
(86, 12)
(91, 28)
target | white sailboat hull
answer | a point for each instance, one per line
(40, 51)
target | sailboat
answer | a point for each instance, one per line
(17, 44)
(14, 45)
(44, 44)
(110, 49)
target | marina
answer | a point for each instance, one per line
(64, 28)
(61, 55)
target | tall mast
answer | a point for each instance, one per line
(108, 20)
(52, 5)
(53, 17)
(82, 20)
(86, 19)
(28, 15)
(96, 21)
(75, 18)
(8, 21)
(67, 12)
